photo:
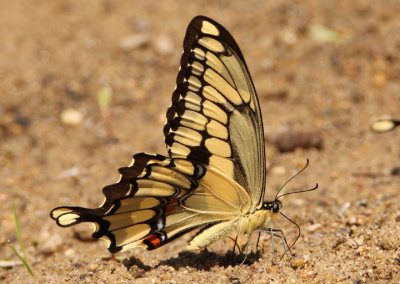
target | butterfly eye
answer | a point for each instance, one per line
(276, 207)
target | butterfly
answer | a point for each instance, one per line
(214, 175)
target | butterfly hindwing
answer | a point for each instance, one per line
(134, 210)
(215, 116)
(156, 200)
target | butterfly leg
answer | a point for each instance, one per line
(258, 240)
(246, 249)
(272, 241)
(234, 244)
(280, 235)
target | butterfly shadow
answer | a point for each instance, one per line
(203, 260)
(135, 266)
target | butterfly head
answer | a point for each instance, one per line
(274, 206)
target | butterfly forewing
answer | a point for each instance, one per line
(215, 117)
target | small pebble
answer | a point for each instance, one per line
(395, 171)
(383, 125)
(298, 263)
(71, 117)
(352, 244)
(9, 263)
(288, 36)
(278, 171)
(23, 121)
(164, 45)
(3, 197)
(334, 175)
(72, 172)
(69, 252)
(385, 245)
(353, 220)
(368, 273)
(83, 232)
(380, 79)
(290, 139)
(359, 241)
(340, 240)
(396, 258)
(344, 208)
(134, 41)
(314, 227)
(367, 212)
(93, 267)
(311, 272)
(52, 244)
(363, 202)
(142, 24)
(323, 34)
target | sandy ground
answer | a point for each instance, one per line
(327, 68)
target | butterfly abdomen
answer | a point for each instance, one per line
(211, 234)
(244, 225)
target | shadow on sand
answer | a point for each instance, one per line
(203, 260)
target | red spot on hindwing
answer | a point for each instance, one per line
(153, 240)
(171, 206)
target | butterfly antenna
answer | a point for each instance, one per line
(299, 172)
(298, 230)
(300, 191)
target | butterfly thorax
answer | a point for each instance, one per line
(259, 219)
(252, 222)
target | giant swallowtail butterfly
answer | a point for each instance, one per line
(213, 177)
